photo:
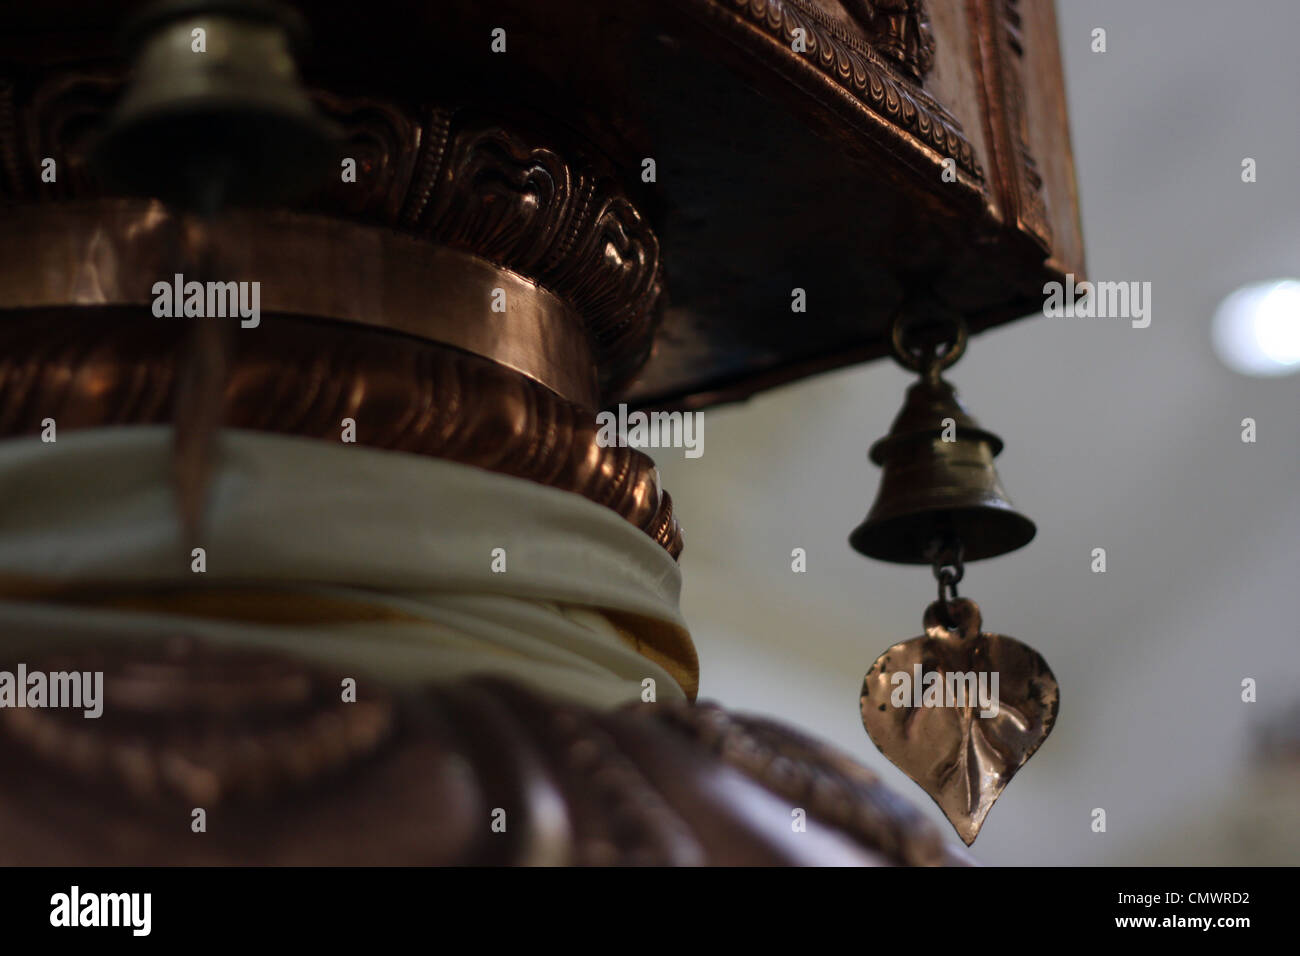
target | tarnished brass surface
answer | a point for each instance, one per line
(938, 484)
(111, 252)
(960, 758)
(89, 367)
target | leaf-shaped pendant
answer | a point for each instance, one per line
(959, 710)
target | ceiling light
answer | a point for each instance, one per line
(1257, 328)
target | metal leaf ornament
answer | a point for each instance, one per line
(959, 710)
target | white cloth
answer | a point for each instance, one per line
(409, 536)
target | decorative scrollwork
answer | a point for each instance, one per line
(874, 76)
(196, 725)
(1033, 209)
(564, 224)
(900, 29)
(453, 177)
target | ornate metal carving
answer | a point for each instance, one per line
(1033, 211)
(1001, 60)
(868, 74)
(813, 775)
(646, 784)
(493, 191)
(57, 121)
(182, 723)
(387, 142)
(849, 116)
(453, 177)
(302, 378)
(900, 29)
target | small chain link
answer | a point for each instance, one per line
(949, 569)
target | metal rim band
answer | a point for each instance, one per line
(112, 252)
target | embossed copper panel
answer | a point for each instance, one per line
(776, 169)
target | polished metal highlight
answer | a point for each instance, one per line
(111, 252)
(939, 733)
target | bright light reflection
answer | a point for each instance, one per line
(1257, 328)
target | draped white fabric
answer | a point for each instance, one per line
(407, 537)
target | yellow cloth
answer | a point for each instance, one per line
(369, 561)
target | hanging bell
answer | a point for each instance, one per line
(214, 113)
(939, 486)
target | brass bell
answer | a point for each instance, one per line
(214, 113)
(934, 491)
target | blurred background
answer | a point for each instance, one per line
(1117, 438)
